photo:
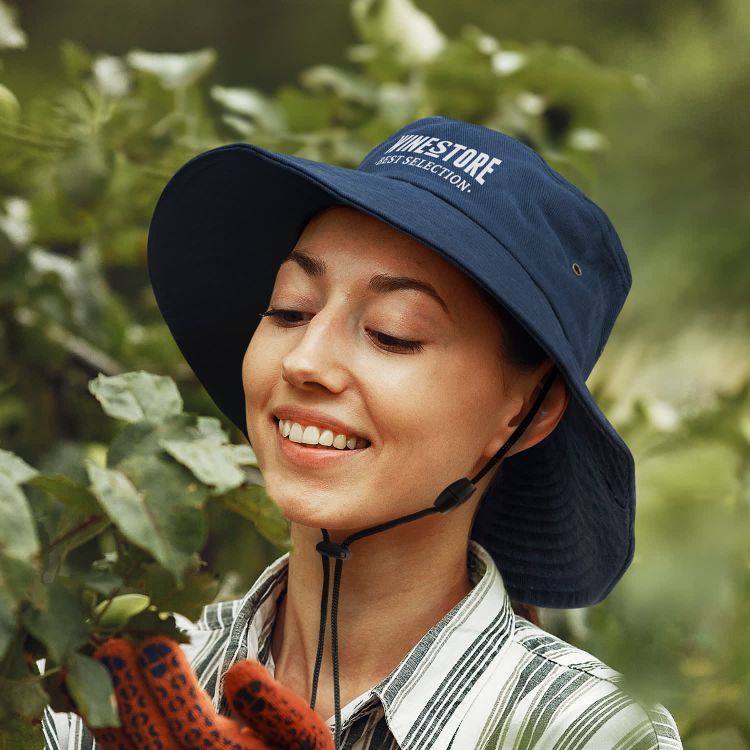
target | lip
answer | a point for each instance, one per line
(316, 418)
(307, 456)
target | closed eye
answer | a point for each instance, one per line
(391, 343)
(291, 318)
(286, 318)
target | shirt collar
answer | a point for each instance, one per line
(425, 698)
(428, 694)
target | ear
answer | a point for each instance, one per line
(546, 419)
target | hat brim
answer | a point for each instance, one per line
(558, 518)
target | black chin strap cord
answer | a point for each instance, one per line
(451, 497)
(322, 631)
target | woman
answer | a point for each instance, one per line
(427, 323)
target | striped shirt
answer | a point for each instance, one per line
(481, 678)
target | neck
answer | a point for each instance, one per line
(395, 587)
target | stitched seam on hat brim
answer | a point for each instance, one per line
(576, 598)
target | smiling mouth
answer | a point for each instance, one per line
(315, 437)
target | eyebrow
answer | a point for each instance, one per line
(311, 266)
(381, 282)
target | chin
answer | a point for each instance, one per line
(305, 506)
(322, 509)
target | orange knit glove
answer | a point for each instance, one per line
(162, 707)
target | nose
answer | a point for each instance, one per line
(318, 359)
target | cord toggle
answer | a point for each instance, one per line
(334, 550)
(455, 494)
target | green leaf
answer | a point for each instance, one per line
(174, 71)
(144, 438)
(19, 581)
(140, 438)
(10, 109)
(305, 112)
(154, 507)
(73, 531)
(19, 574)
(18, 538)
(210, 427)
(15, 468)
(75, 59)
(327, 79)
(116, 612)
(21, 690)
(21, 734)
(90, 686)
(197, 590)
(206, 453)
(152, 622)
(62, 626)
(204, 450)
(7, 620)
(135, 396)
(83, 174)
(65, 490)
(244, 455)
(102, 581)
(252, 502)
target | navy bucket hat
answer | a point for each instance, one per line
(558, 518)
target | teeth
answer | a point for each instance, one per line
(311, 435)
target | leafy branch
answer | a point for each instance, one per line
(163, 470)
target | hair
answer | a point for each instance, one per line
(519, 348)
(521, 351)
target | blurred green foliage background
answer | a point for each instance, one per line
(644, 105)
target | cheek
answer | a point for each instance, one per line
(443, 409)
(258, 366)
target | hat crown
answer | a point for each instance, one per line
(564, 241)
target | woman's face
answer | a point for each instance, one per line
(372, 336)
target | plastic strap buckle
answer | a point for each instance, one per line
(454, 494)
(334, 550)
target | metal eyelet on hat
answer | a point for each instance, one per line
(577, 269)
